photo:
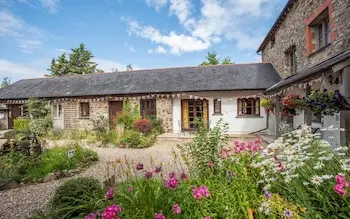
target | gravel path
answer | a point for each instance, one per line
(20, 202)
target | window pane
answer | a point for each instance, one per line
(54, 110)
(328, 33)
(257, 106)
(84, 109)
(59, 110)
(217, 106)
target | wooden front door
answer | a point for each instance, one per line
(193, 110)
(15, 111)
(115, 107)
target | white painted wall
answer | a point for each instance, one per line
(229, 114)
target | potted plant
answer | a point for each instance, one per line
(268, 105)
(326, 103)
(291, 105)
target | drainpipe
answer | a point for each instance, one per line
(267, 125)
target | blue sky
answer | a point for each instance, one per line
(144, 33)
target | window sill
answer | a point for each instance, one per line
(84, 117)
(320, 49)
(249, 116)
(217, 114)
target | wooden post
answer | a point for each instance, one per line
(345, 114)
(307, 112)
(278, 117)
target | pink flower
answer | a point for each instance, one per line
(109, 194)
(171, 183)
(176, 209)
(210, 164)
(139, 166)
(92, 215)
(130, 189)
(172, 175)
(207, 217)
(148, 175)
(157, 169)
(339, 178)
(111, 212)
(159, 216)
(339, 188)
(200, 192)
(183, 176)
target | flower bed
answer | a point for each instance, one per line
(298, 176)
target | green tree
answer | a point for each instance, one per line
(6, 81)
(77, 62)
(212, 59)
(80, 61)
(129, 67)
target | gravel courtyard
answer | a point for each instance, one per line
(20, 202)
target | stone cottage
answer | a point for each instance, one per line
(176, 95)
(309, 45)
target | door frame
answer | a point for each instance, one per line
(10, 115)
(203, 114)
(109, 110)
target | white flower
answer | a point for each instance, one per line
(319, 165)
(341, 154)
(260, 209)
(316, 180)
(327, 177)
(265, 204)
(267, 211)
(345, 167)
(306, 183)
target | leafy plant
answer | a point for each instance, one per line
(21, 124)
(128, 115)
(268, 105)
(76, 197)
(40, 126)
(131, 138)
(205, 147)
(157, 125)
(326, 102)
(100, 124)
(143, 125)
(38, 108)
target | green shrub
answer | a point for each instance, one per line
(40, 126)
(15, 166)
(157, 125)
(128, 115)
(100, 125)
(38, 108)
(131, 138)
(143, 125)
(205, 147)
(76, 197)
(21, 124)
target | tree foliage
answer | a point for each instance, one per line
(129, 67)
(212, 59)
(6, 81)
(76, 62)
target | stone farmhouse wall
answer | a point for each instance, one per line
(293, 31)
(101, 108)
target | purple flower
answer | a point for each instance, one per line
(171, 183)
(267, 194)
(109, 194)
(139, 166)
(148, 175)
(92, 216)
(130, 189)
(111, 212)
(287, 213)
(157, 169)
(172, 175)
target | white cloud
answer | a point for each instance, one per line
(18, 71)
(216, 20)
(60, 51)
(150, 51)
(160, 50)
(28, 37)
(109, 65)
(157, 4)
(50, 5)
(178, 43)
(181, 8)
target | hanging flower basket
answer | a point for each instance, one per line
(326, 103)
(291, 105)
(268, 105)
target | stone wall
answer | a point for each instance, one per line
(165, 112)
(72, 119)
(292, 31)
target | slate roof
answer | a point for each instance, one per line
(310, 72)
(254, 76)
